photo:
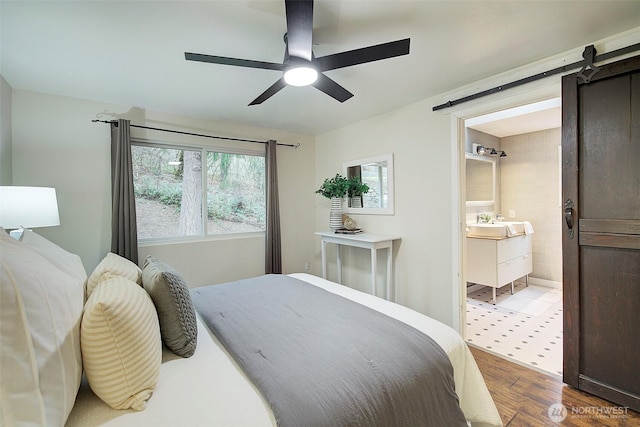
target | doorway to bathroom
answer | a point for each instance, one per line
(524, 322)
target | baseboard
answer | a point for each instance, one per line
(542, 282)
(471, 287)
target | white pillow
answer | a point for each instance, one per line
(65, 261)
(121, 345)
(40, 361)
(115, 265)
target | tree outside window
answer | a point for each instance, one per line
(171, 201)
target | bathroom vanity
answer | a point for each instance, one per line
(498, 261)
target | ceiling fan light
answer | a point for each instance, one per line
(300, 76)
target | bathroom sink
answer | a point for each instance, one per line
(488, 230)
(497, 230)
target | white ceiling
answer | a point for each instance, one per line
(520, 120)
(526, 123)
(131, 53)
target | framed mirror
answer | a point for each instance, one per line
(480, 180)
(377, 173)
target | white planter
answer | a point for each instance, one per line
(355, 202)
(335, 214)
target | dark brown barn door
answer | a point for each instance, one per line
(601, 236)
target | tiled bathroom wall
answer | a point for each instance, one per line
(531, 189)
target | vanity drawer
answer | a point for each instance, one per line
(513, 247)
(495, 263)
(515, 268)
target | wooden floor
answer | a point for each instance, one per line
(523, 397)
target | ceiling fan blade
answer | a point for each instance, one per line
(363, 55)
(331, 88)
(299, 27)
(273, 89)
(199, 57)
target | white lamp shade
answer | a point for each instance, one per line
(28, 207)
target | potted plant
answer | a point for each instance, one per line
(335, 189)
(356, 188)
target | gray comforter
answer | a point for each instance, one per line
(322, 360)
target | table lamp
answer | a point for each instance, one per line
(27, 207)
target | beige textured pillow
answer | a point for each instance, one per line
(121, 346)
(115, 265)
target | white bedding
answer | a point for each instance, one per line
(209, 389)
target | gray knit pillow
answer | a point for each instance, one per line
(176, 314)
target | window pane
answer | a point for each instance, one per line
(235, 193)
(168, 188)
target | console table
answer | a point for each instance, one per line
(370, 241)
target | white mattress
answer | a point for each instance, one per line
(208, 389)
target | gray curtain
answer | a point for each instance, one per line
(124, 231)
(273, 255)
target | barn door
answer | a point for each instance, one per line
(601, 236)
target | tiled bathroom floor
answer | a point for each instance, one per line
(525, 327)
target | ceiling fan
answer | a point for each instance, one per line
(300, 66)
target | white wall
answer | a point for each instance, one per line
(56, 144)
(420, 143)
(5, 132)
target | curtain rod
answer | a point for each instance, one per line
(585, 63)
(197, 134)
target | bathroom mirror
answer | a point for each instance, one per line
(480, 180)
(377, 173)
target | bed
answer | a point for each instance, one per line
(207, 388)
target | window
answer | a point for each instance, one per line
(186, 191)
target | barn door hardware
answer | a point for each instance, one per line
(589, 55)
(568, 216)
